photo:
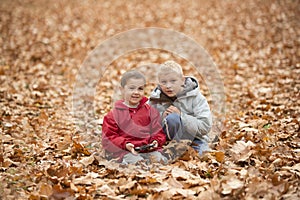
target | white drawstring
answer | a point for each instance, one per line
(167, 128)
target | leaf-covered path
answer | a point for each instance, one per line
(255, 45)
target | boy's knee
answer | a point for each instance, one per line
(131, 158)
(172, 126)
(173, 119)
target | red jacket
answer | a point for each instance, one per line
(139, 126)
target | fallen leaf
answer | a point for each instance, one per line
(219, 156)
(45, 190)
(87, 160)
(231, 184)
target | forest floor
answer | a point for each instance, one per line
(255, 46)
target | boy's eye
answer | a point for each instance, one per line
(135, 88)
(163, 82)
(173, 81)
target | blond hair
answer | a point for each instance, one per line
(170, 66)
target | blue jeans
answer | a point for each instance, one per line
(174, 130)
(172, 126)
(200, 146)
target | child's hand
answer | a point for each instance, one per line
(165, 114)
(130, 147)
(171, 109)
(155, 144)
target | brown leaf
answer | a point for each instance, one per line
(242, 150)
(89, 179)
(106, 190)
(173, 183)
(79, 148)
(45, 190)
(219, 156)
(231, 184)
(87, 160)
(61, 193)
(128, 186)
(179, 173)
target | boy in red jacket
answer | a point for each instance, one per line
(132, 131)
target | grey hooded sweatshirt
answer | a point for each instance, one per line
(195, 112)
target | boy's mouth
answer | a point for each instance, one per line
(135, 97)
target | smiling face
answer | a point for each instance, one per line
(171, 83)
(133, 91)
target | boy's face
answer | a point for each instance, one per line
(133, 91)
(171, 83)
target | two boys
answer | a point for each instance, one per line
(176, 104)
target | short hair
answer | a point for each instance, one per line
(131, 74)
(170, 66)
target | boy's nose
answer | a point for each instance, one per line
(168, 85)
(136, 91)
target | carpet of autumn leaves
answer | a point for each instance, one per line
(256, 46)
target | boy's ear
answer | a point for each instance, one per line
(183, 78)
(121, 89)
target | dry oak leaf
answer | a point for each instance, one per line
(179, 173)
(106, 190)
(185, 193)
(294, 169)
(89, 179)
(87, 160)
(45, 190)
(129, 185)
(242, 150)
(231, 184)
(173, 183)
(79, 148)
(61, 193)
(219, 156)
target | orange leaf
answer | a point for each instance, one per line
(220, 156)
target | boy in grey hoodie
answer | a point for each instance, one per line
(184, 110)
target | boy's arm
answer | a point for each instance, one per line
(156, 129)
(201, 122)
(112, 141)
